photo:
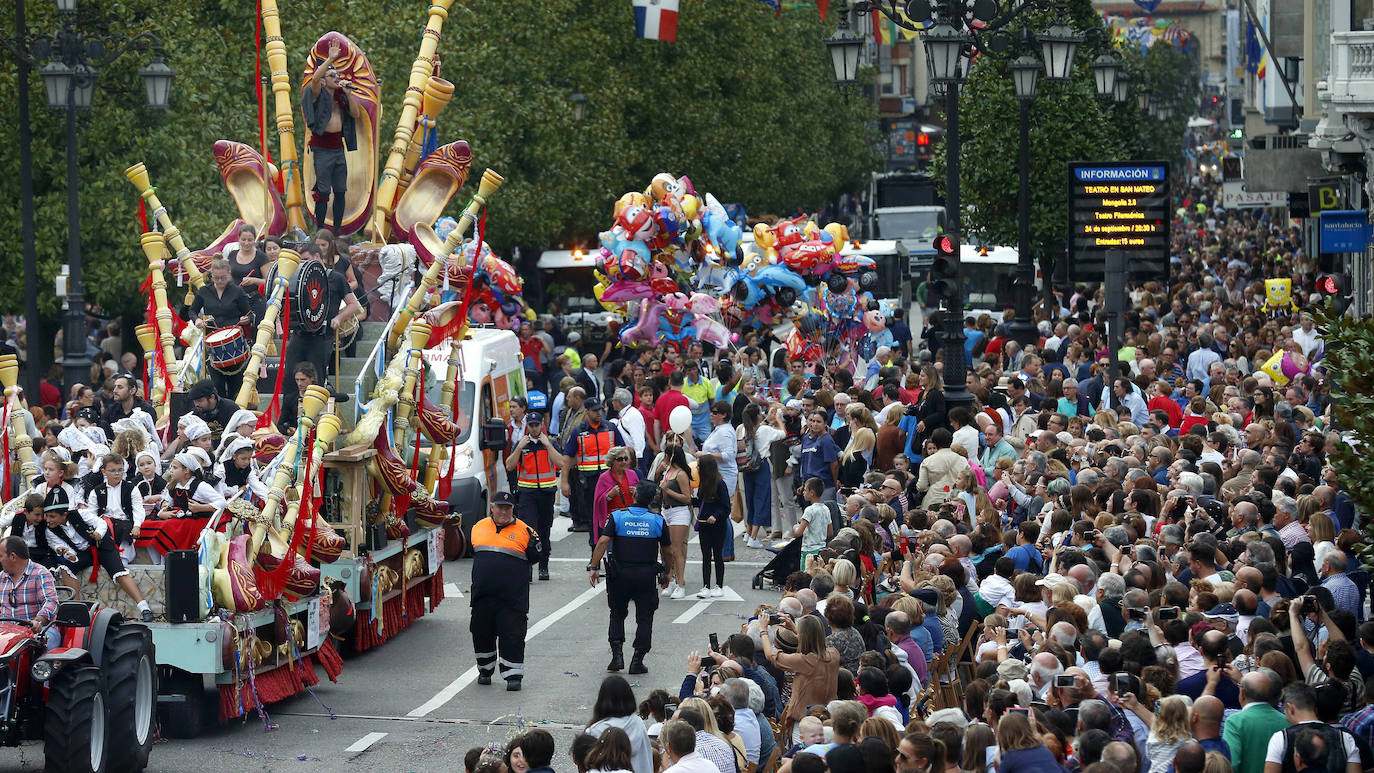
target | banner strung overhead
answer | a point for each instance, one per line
(1144, 31)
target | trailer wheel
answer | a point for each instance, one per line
(74, 722)
(131, 683)
(185, 718)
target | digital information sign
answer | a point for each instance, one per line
(1119, 206)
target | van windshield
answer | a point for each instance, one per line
(919, 225)
(467, 404)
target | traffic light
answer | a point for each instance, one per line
(943, 290)
(1336, 287)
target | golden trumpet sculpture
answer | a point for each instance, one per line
(438, 92)
(138, 175)
(405, 406)
(287, 261)
(22, 443)
(292, 176)
(438, 453)
(147, 339)
(490, 182)
(155, 249)
(312, 402)
(420, 72)
(325, 432)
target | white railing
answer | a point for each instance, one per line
(1351, 80)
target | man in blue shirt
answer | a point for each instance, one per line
(1026, 554)
(820, 457)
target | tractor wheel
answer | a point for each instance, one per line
(131, 684)
(74, 723)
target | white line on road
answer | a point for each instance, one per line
(469, 676)
(362, 744)
(451, 589)
(692, 612)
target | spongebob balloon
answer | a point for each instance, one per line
(1278, 296)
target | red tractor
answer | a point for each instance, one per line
(92, 700)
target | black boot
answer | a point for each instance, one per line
(513, 684)
(617, 658)
(637, 664)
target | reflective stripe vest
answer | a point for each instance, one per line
(536, 469)
(593, 445)
(511, 539)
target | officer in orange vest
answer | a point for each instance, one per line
(536, 461)
(585, 457)
(503, 549)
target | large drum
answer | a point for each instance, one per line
(228, 350)
(309, 290)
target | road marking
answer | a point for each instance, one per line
(759, 564)
(701, 605)
(451, 589)
(559, 530)
(469, 676)
(362, 744)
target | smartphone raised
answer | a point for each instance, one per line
(1135, 614)
(1121, 683)
(715, 642)
(1063, 680)
(1168, 613)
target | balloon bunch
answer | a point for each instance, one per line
(672, 264)
(498, 287)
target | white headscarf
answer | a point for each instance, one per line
(202, 456)
(187, 460)
(231, 430)
(236, 443)
(194, 426)
(157, 463)
(73, 440)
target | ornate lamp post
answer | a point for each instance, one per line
(73, 62)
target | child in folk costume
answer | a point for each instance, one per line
(118, 499)
(236, 470)
(79, 541)
(190, 503)
(30, 526)
(192, 431)
(207, 472)
(241, 424)
(148, 476)
(82, 447)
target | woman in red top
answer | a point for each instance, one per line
(615, 489)
(1197, 414)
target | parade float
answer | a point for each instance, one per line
(346, 548)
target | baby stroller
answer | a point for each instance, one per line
(786, 560)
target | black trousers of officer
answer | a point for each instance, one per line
(315, 349)
(640, 585)
(535, 506)
(580, 504)
(498, 635)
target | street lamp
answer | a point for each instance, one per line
(579, 105)
(1123, 88)
(944, 50)
(1060, 43)
(1025, 71)
(73, 62)
(1106, 68)
(844, 47)
(1143, 98)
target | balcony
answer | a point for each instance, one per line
(1350, 84)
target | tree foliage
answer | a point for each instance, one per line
(1349, 361)
(1068, 122)
(743, 103)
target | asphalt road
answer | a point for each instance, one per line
(414, 704)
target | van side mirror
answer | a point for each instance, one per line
(493, 435)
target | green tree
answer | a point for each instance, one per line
(1349, 360)
(1068, 122)
(743, 103)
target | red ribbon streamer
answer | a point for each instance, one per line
(5, 449)
(274, 406)
(143, 214)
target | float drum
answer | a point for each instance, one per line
(310, 296)
(228, 349)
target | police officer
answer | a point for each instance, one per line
(536, 461)
(502, 550)
(585, 457)
(637, 539)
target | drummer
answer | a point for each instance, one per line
(246, 261)
(335, 253)
(221, 304)
(318, 348)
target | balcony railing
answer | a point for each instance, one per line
(1351, 81)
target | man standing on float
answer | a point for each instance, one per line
(330, 113)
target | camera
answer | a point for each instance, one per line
(774, 619)
(1135, 614)
(1063, 680)
(1168, 613)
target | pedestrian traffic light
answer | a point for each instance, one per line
(943, 290)
(1335, 287)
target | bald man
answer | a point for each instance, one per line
(1246, 603)
(1190, 757)
(1044, 668)
(1244, 518)
(1206, 725)
(961, 547)
(1247, 732)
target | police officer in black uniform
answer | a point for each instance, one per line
(637, 539)
(503, 548)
